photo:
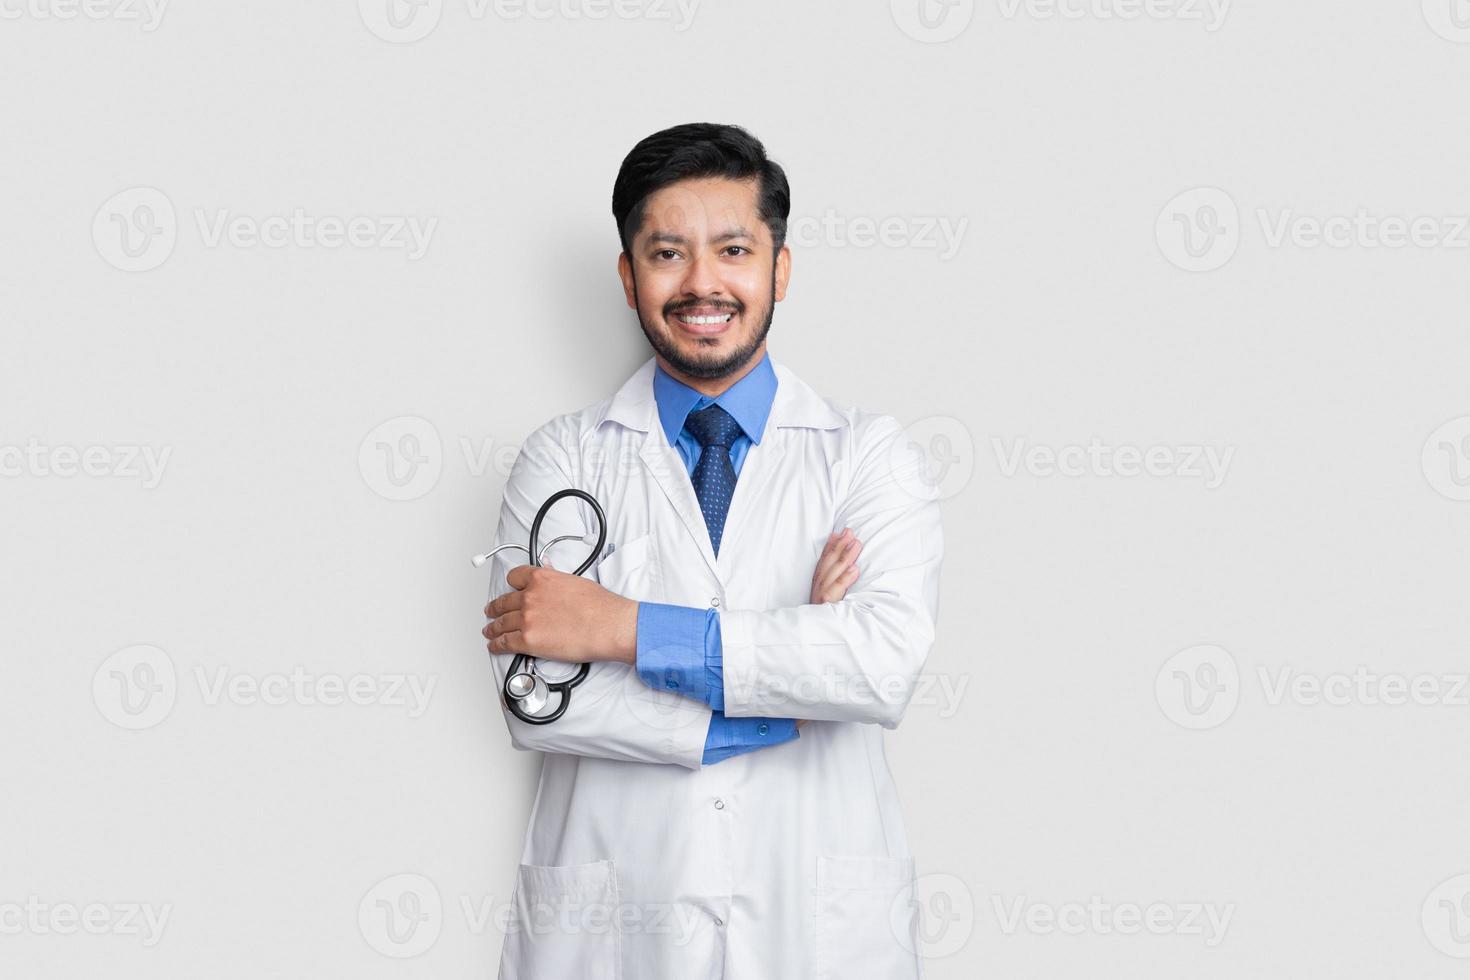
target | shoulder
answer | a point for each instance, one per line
(566, 440)
(860, 431)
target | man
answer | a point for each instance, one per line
(715, 800)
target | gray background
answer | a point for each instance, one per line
(1113, 643)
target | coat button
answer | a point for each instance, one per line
(719, 804)
(715, 602)
(762, 728)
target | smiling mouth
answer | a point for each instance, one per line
(708, 322)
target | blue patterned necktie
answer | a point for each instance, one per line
(714, 475)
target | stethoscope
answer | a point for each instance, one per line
(526, 692)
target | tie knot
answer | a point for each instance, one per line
(712, 426)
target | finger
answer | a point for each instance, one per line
(508, 623)
(837, 568)
(519, 577)
(503, 604)
(506, 643)
(827, 546)
(823, 572)
(830, 577)
(837, 589)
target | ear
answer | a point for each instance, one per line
(625, 273)
(783, 271)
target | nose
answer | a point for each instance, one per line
(702, 277)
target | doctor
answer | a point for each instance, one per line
(716, 802)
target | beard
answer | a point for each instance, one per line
(723, 365)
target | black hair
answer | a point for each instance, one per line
(699, 150)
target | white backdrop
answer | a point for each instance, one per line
(1173, 293)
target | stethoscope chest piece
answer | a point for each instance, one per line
(529, 691)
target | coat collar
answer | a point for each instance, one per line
(796, 404)
(748, 400)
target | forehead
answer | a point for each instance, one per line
(703, 207)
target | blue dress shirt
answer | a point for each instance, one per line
(679, 647)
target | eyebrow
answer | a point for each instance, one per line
(670, 238)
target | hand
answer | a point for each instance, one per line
(836, 568)
(836, 571)
(557, 616)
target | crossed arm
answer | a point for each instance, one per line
(853, 655)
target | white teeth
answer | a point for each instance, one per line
(703, 320)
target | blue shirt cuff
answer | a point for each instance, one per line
(673, 651)
(714, 661)
(729, 737)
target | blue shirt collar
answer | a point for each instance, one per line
(747, 400)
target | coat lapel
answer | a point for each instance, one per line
(796, 405)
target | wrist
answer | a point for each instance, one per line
(625, 645)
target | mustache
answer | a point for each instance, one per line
(684, 307)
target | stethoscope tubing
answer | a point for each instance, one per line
(524, 663)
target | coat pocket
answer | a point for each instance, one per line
(631, 570)
(866, 919)
(564, 924)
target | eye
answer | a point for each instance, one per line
(663, 252)
(738, 248)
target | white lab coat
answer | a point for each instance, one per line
(786, 862)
